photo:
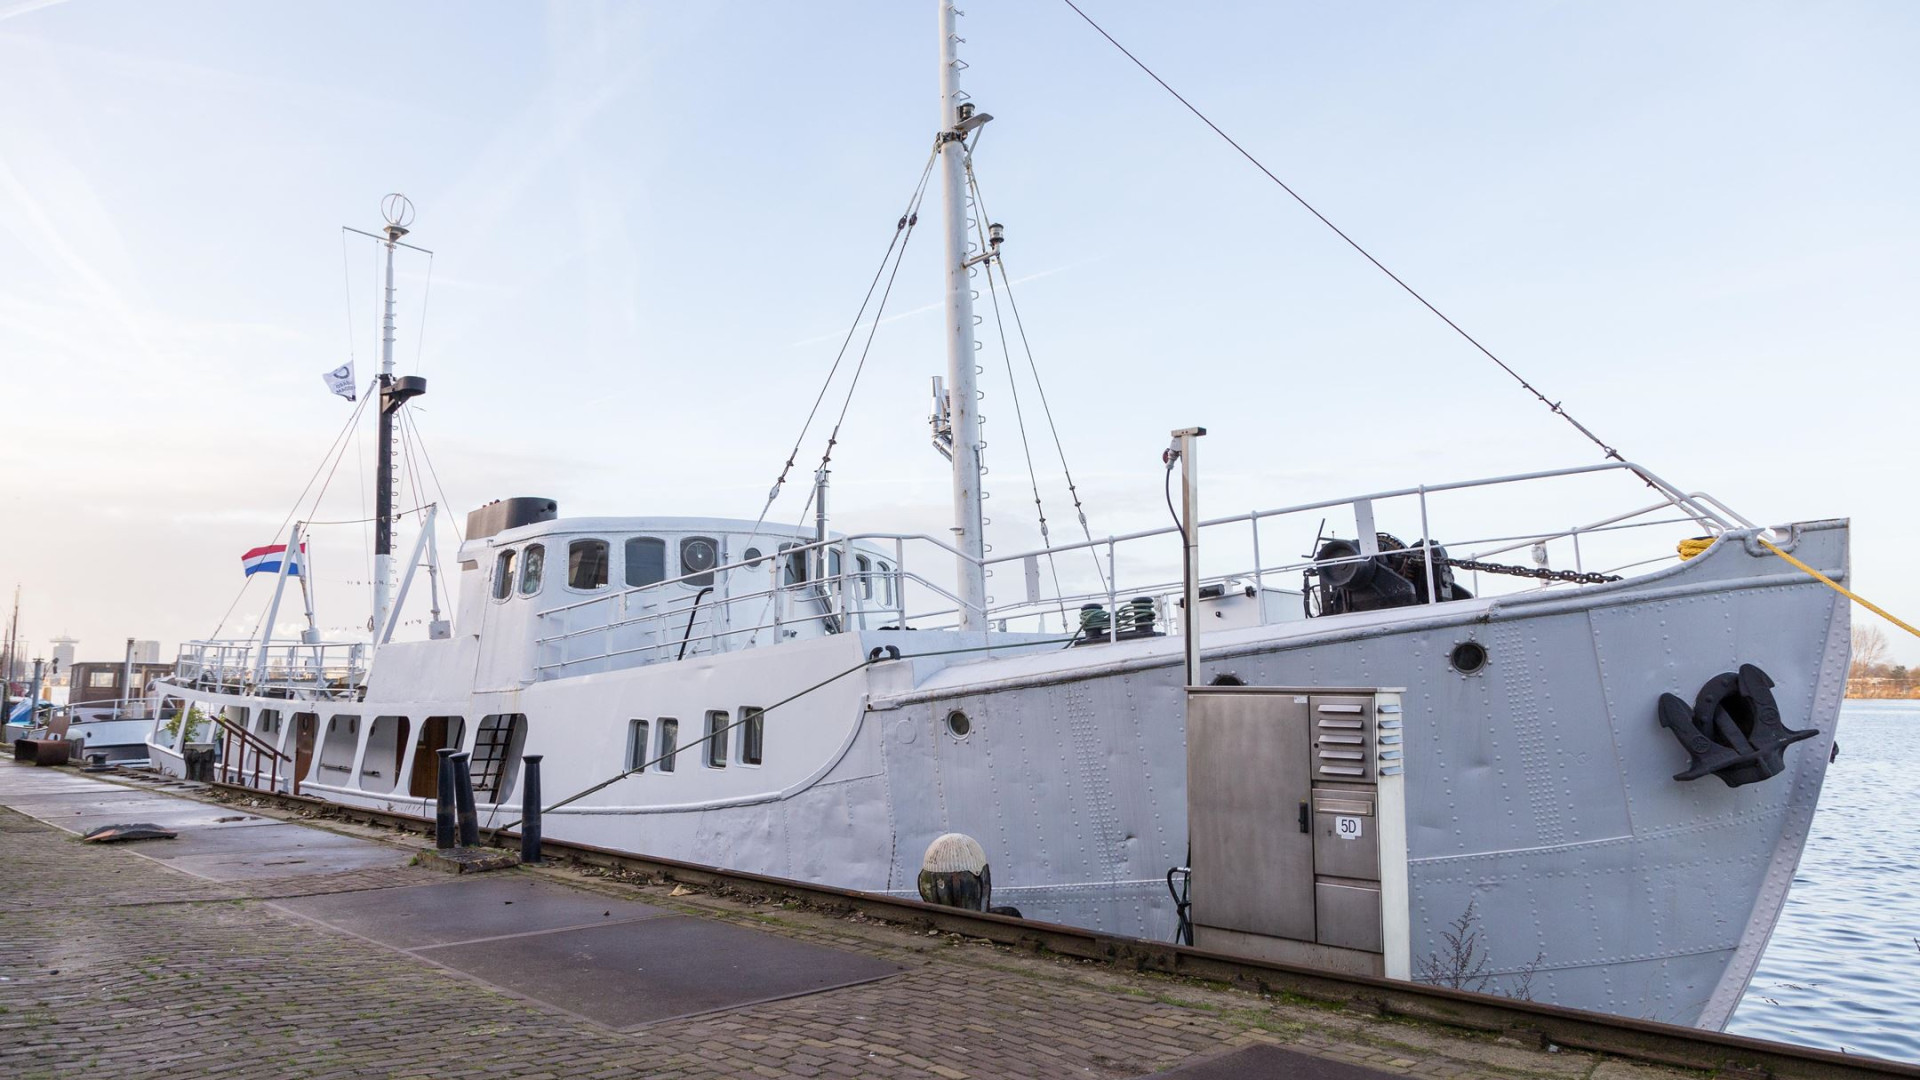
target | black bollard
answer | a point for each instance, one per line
(443, 805)
(530, 809)
(463, 801)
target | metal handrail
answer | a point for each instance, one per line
(1709, 513)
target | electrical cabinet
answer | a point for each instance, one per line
(1296, 818)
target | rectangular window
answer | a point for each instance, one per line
(532, 569)
(865, 568)
(636, 745)
(753, 733)
(103, 680)
(669, 743)
(587, 564)
(796, 564)
(646, 561)
(503, 575)
(886, 579)
(717, 739)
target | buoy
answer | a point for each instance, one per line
(954, 873)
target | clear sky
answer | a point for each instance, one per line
(1693, 223)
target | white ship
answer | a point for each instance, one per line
(820, 706)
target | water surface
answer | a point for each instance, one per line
(1843, 969)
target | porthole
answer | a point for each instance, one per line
(1227, 678)
(958, 724)
(1468, 657)
(752, 557)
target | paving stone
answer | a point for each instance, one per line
(121, 966)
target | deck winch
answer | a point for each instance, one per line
(1345, 577)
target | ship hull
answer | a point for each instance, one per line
(1539, 788)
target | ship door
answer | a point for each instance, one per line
(1249, 760)
(438, 733)
(305, 725)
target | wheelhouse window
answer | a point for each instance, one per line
(864, 566)
(637, 747)
(503, 575)
(796, 564)
(717, 739)
(886, 581)
(587, 564)
(698, 556)
(646, 561)
(533, 567)
(753, 733)
(669, 743)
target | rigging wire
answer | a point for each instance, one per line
(899, 229)
(458, 533)
(1046, 407)
(903, 227)
(426, 297)
(873, 328)
(681, 748)
(1013, 385)
(346, 276)
(833, 438)
(332, 450)
(1552, 405)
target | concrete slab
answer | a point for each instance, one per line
(79, 814)
(29, 779)
(242, 866)
(277, 838)
(465, 910)
(643, 972)
(185, 816)
(72, 811)
(1264, 1062)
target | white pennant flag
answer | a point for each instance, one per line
(341, 381)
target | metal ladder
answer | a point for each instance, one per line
(490, 757)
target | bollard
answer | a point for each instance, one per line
(463, 801)
(530, 809)
(443, 805)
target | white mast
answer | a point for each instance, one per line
(962, 397)
(399, 214)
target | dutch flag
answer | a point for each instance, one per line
(267, 560)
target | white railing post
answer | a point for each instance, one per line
(899, 584)
(1259, 589)
(1426, 547)
(1113, 617)
(1369, 538)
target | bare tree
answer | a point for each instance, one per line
(1869, 651)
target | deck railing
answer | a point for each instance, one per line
(290, 669)
(662, 621)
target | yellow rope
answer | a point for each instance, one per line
(1837, 587)
(1690, 548)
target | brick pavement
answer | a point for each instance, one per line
(115, 965)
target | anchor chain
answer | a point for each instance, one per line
(1539, 572)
